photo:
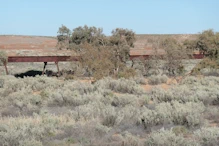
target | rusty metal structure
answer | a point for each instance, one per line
(44, 59)
(194, 56)
(57, 59)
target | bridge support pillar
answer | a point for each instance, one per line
(45, 63)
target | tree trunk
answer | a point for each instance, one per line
(6, 69)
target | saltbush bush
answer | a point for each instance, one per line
(167, 138)
(157, 79)
(208, 136)
(29, 131)
(121, 85)
(188, 114)
(187, 92)
(85, 113)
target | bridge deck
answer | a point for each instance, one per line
(67, 58)
(42, 58)
(57, 59)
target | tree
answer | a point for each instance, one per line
(63, 37)
(208, 44)
(102, 55)
(90, 35)
(63, 30)
(123, 36)
(97, 61)
(121, 41)
(4, 60)
(174, 54)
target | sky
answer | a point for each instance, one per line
(44, 17)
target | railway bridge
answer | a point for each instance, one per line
(57, 59)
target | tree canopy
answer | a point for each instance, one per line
(3, 57)
(208, 44)
(101, 55)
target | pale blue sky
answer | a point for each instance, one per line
(44, 17)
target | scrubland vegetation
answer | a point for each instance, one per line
(115, 108)
(49, 111)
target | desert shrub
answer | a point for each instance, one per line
(67, 97)
(164, 113)
(89, 113)
(190, 80)
(30, 142)
(127, 73)
(109, 116)
(120, 85)
(167, 138)
(188, 92)
(129, 115)
(123, 100)
(82, 88)
(126, 116)
(23, 102)
(188, 114)
(143, 99)
(101, 129)
(28, 131)
(212, 113)
(131, 140)
(70, 77)
(205, 81)
(179, 93)
(11, 85)
(140, 80)
(161, 95)
(147, 117)
(180, 130)
(92, 110)
(109, 121)
(154, 80)
(28, 84)
(208, 136)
